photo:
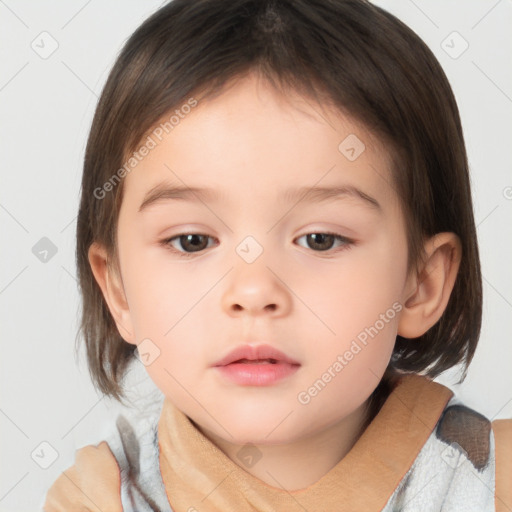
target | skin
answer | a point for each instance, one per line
(308, 303)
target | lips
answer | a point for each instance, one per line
(249, 354)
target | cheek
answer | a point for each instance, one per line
(169, 305)
(361, 307)
(159, 292)
(350, 294)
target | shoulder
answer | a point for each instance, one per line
(480, 451)
(481, 442)
(465, 464)
(134, 444)
(502, 430)
(466, 430)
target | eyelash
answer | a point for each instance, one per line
(346, 244)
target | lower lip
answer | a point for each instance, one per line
(257, 374)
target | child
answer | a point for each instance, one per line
(276, 212)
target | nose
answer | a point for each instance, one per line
(256, 289)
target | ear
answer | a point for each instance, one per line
(113, 291)
(430, 288)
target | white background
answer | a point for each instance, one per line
(46, 107)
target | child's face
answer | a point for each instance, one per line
(250, 145)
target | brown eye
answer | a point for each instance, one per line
(320, 241)
(325, 241)
(190, 243)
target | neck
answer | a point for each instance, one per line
(299, 464)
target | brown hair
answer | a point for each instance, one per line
(351, 53)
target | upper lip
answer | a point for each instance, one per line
(252, 352)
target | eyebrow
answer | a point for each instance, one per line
(165, 192)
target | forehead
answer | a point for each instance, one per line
(251, 142)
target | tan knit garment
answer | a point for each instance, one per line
(198, 476)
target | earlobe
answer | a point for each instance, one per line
(112, 289)
(429, 290)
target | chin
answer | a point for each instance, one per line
(258, 429)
